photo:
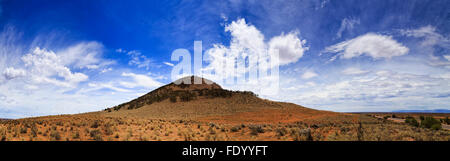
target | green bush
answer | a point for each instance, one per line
(412, 121)
(187, 96)
(428, 122)
(436, 127)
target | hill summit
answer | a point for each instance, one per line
(184, 90)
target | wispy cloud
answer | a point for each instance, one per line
(373, 45)
(169, 64)
(140, 60)
(309, 75)
(347, 24)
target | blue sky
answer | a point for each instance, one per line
(341, 55)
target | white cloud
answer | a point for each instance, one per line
(120, 50)
(139, 81)
(447, 57)
(97, 86)
(82, 55)
(45, 66)
(431, 37)
(169, 64)
(354, 71)
(309, 75)
(289, 46)
(139, 60)
(247, 41)
(376, 91)
(106, 70)
(347, 25)
(11, 73)
(373, 45)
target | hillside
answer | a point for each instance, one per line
(210, 102)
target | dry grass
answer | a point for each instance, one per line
(99, 127)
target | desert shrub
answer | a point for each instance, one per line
(187, 96)
(411, 121)
(281, 131)
(2, 134)
(301, 134)
(218, 93)
(212, 131)
(428, 122)
(108, 130)
(447, 120)
(59, 123)
(235, 128)
(55, 135)
(436, 126)
(360, 132)
(173, 98)
(96, 124)
(96, 135)
(255, 129)
(34, 131)
(23, 130)
(76, 135)
(422, 118)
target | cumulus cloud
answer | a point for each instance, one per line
(139, 80)
(373, 45)
(354, 71)
(309, 75)
(248, 42)
(289, 46)
(11, 73)
(45, 66)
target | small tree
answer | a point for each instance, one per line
(412, 121)
(428, 122)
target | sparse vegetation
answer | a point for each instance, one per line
(191, 113)
(431, 123)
